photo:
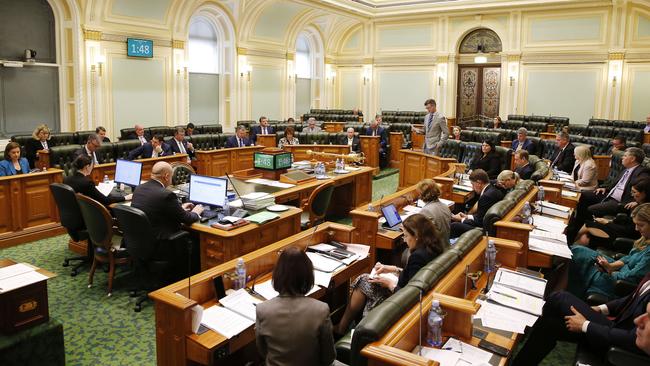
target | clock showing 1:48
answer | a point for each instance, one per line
(139, 47)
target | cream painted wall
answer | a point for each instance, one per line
(544, 30)
(138, 93)
(353, 42)
(147, 9)
(404, 89)
(643, 27)
(266, 92)
(640, 94)
(399, 36)
(350, 84)
(563, 90)
(274, 20)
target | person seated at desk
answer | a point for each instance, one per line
(585, 171)
(607, 200)
(351, 140)
(376, 130)
(488, 160)
(289, 138)
(311, 126)
(497, 122)
(40, 141)
(179, 145)
(294, 329)
(424, 244)
(455, 133)
(436, 211)
(563, 158)
(487, 194)
(189, 129)
(93, 143)
(618, 144)
(240, 139)
(593, 273)
(523, 167)
(139, 134)
(567, 318)
(13, 164)
(291, 120)
(642, 323)
(101, 131)
(646, 129)
(506, 181)
(263, 129)
(80, 182)
(152, 149)
(522, 142)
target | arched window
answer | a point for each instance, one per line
(203, 47)
(483, 40)
(303, 58)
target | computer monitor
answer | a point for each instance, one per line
(392, 216)
(128, 172)
(208, 190)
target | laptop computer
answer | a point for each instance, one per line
(393, 219)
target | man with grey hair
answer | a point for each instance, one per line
(435, 130)
(179, 145)
(240, 139)
(351, 140)
(311, 126)
(93, 143)
(522, 142)
(139, 134)
(506, 181)
(563, 158)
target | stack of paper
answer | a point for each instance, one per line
(257, 200)
(241, 302)
(469, 355)
(18, 275)
(262, 217)
(324, 264)
(571, 194)
(105, 188)
(548, 208)
(410, 209)
(549, 247)
(516, 300)
(521, 282)
(549, 224)
(266, 290)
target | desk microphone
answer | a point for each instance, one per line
(252, 289)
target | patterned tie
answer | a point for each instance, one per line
(429, 121)
(620, 184)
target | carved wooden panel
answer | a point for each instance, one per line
(468, 91)
(370, 148)
(5, 207)
(38, 201)
(244, 160)
(413, 169)
(491, 86)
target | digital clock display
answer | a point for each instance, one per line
(139, 47)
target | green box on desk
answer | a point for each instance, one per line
(267, 161)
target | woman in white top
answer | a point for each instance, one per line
(585, 172)
(288, 138)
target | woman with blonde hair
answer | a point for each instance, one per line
(585, 172)
(591, 272)
(40, 141)
(433, 209)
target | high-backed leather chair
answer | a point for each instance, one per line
(646, 149)
(615, 167)
(63, 138)
(495, 213)
(630, 134)
(467, 135)
(73, 222)
(106, 153)
(127, 133)
(601, 146)
(534, 118)
(558, 121)
(210, 128)
(471, 152)
(202, 141)
(541, 168)
(21, 139)
(222, 138)
(548, 148)
(181, 172)
(80, 137)
(61, 157)
(124, 147)
(601, 131)
(516, 117)
(317, 204)
(450, 149)
(161, 130)
(600, 122)
(513, 124)
(536, 126)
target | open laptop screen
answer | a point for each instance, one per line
(392, 216)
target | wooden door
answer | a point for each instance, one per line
(478, 91)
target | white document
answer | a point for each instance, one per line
(351, 168)
(389, 276)
(521, 282)
(549, 247)
(468, 353)
(266, 290)
(548, 236)
(241, 302)
(322, 278)
(462, 188)
(515, 299)
(347, 261)
(254, 196)
(548, 223)
(412, 209)
(260, 181)
(446, 202)
(224, 321)
(21, 280)
(197, 316)
(322, 247)
(313, 289)
(279, 184)
(505, 312)
(235, 203)
(569, 194)
(105, 188)
(553, 209)
(324, 264)
(361, 250)
(443, 357)
(15, 270)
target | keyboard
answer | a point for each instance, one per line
(209, 214)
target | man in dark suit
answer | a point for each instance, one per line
(240, 139)
(606, 200)
(139, 134)
(351, 140)
(522, 142)
(263, 129)
(101, 131)
(93, 143)
(523, 167)
(487, 194)
(152, 149)
(568, 318)
(376, 130)
(563, 158)
(179, 145)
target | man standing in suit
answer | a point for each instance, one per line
(376, 130)
(567, 318)
(240, 139)
(563, 158)
(606, 200)
(139, 135)
(311, 126)
(523, 167)
(435, 128)
(178, 144)
(351, 140)
(93, 143)
(152, 149)
(522, 142)
(488, 195)
(263, 129)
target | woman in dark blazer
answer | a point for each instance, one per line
(488, 161)
(40, 141)
(13, 164)
(424, 244)
(81, 183)
(294, 329)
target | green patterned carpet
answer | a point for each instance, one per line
(101, 330)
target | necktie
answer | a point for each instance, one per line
(640, 291)
(374, 132)
(142, 140)
(264, 131)
(181, 147)
(619, 185)
(238, 142)
(557, 157)
(95, 159)
(429, 121)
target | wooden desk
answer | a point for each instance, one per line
(175, 342)
(395, 347)
(417, 139)
(333, 127)
(396, 140)
(300, 151)
(370, 148)
(216, 163)
(27, 208)
(99, 170)
(415, 165)
(447, 180)
(553, 192)
(266, 140)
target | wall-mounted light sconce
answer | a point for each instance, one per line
(331, 74)
(440, 80)
(512, 80)
(615, 71)
(182, 68)
(614, 82)
(99, 61)
(295, 78)
(367, 72)
(246, 70)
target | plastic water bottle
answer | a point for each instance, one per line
(490, 257)
(526, 213)
(540, 193)
(240, 274)
(106, 178)
(434, 325)
(226, 207)
(556, 175)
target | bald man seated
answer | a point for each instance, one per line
(139, 134)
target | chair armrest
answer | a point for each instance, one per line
(624, 288)
(179, 235)
(343, 348)
(620, 357)
(623, 245)
(596, 299)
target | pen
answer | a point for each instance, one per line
(452, 349)
(506, 295)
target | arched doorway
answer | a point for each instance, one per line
(479, 82)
